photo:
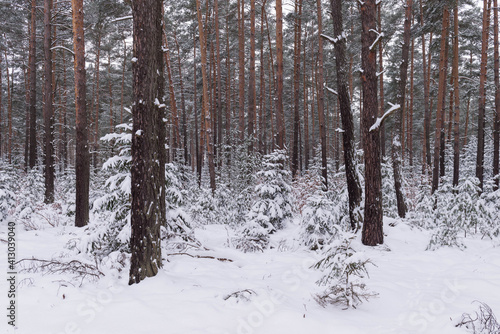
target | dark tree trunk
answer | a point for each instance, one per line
(381, 81)
(241, 70)
(353, 185)
(280, 126)
(48, 108)
(205, 108)
(373, 225)
(296, 87)
(427, 111)
(482, 94)
(251, 81)
(496, 131)
(148, 142)
(441, 92)
(398, 132)
(32, 101)
(82, 163)
(456, 128)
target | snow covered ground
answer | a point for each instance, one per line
(272, 292)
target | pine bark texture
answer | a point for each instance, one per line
(353, 184)
(280, 126)
(148, 141)
(496, 129)
(82, 163)
(482, 95)
(398, 132)
(441, 92)
(206, 120)
(48, 108)
(296, 87)
(456, 121)
(373, 226)
(32, 87)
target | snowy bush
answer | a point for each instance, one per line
(345, 270)
(320, 221)
(273, 204)
(459, 212)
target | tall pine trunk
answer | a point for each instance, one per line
(82, 163)
(353, 184)
(48, 108)
(496, 130)
(482, 94)
(296, 87)
(441, 92)
(241, 70)
(373, 225)
(427, 111)
(148, 141)
(205, 107)
(397, 133)
(32, 87)
(456, 121)
(280, 117)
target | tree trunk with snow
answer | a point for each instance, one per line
(148, 141)
(353, 184)
(373, 225)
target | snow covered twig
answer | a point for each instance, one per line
(379, 120)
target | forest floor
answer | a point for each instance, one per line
(222, 290)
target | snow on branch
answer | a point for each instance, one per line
(336, 39)
(121, 19)
(331, 90)
(62, 47)
(379, 120)
(381, 72)
(379, 36)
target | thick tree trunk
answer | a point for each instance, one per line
(32, 89)
(205, 108)
(218, 106)
(241, 70)
(228, 91)
(82, 163)
(456, 128)
(262, 108)
(353, 185)
(398, 131)
(148, 145)
(381, 81)
(496, 129)
(280, 117)
(296, 87)
(441, 92)
(251, 81)
(427, 111)
(48, 109)
(373, 225)
(482, 94)
(95, 153)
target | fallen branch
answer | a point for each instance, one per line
(222, 259)
(85, 270)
